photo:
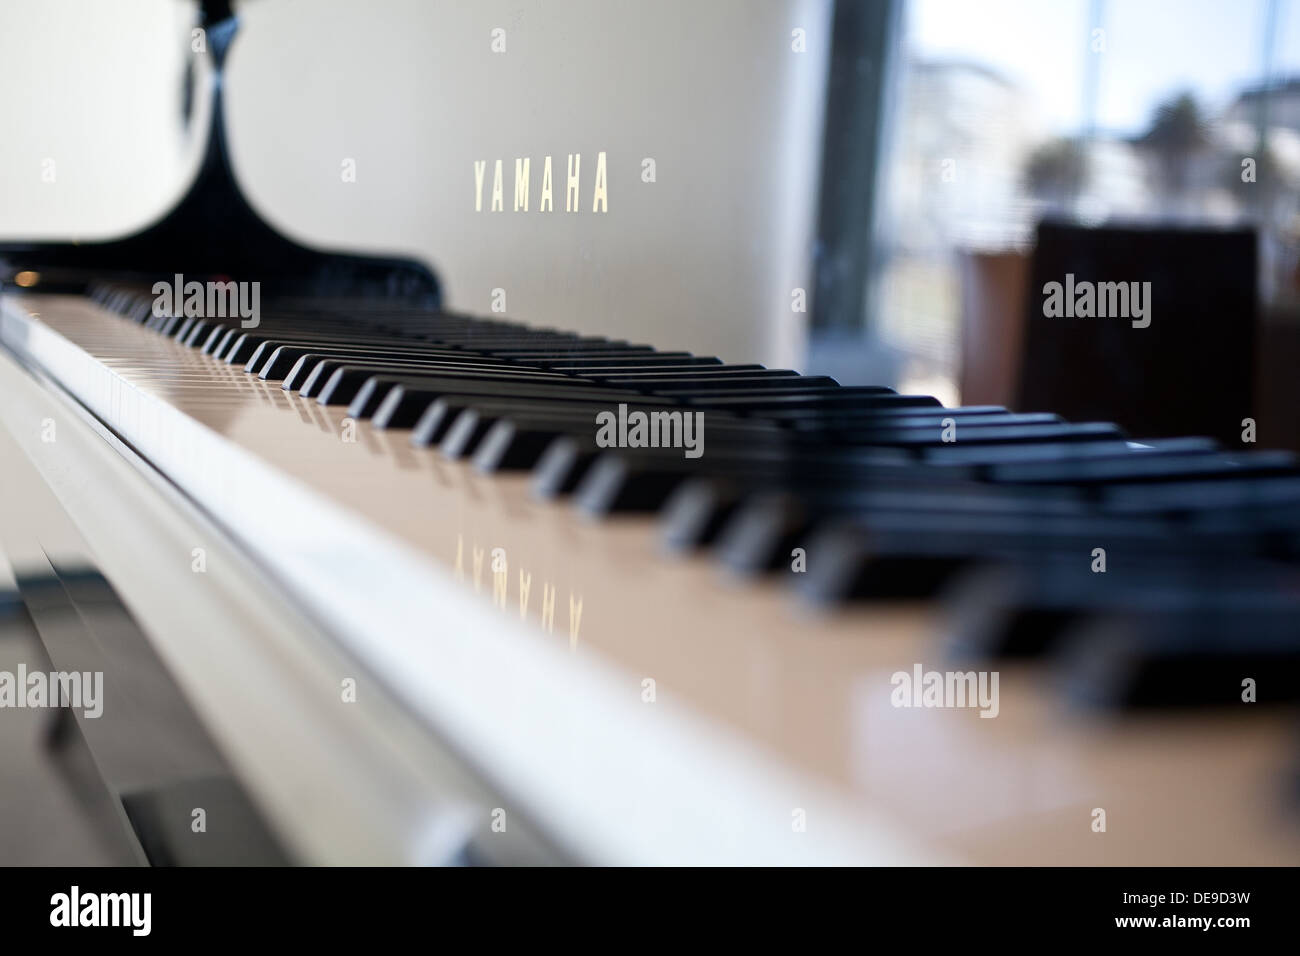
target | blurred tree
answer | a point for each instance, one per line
(1178, 135)
(1055, 172)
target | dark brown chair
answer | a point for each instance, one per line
(1188, 372)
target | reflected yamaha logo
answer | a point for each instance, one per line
(546, 200)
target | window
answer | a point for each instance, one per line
(1008, 111)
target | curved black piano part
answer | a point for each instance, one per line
(214, 232)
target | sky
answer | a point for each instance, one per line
(1153, 49)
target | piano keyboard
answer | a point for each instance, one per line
(1126, 592)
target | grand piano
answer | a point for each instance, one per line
(367, 585)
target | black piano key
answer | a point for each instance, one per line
(323, 370)
(1065, 452)
(761, 402)
(221, 339)
(564, 466)
(865, 421)
(306, 364)
(239, 348)
(464, 434)
(1140, 467)
(364, 388)
(611, 484)
(645, 478)
(875, 560)
(560, 472)
(620, 377)
(542, 419)
(605, 494)
(668, 360)
(769, 524)
(440, 411)
(297, 376)
(274, 359)
(563, 417)
(512, 445)
(1024, 610)
(407, 407)
(197, 332)
(984, 435)
(520, 435)
(324, 341)
(1192, 496)
(839, 569)
(402, 408)
(248, 344)
(561, 467)
(661, 375)
(542, 352)
(310, 373)
(440, 408)
(315, 379)
(777, 512)
(1018, 611)
(982, 456)
(484, 388)
(742, 384)
(760, 534)
(212, 334)
(632, 361)
(1200, 655)
(697, 511)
